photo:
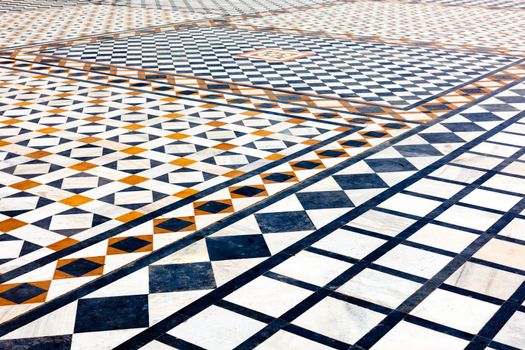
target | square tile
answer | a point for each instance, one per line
(181, 277)
(311, 268)
(291, 221)
(217, 328)
(268, 296)
(349, 243)
(415, 261)
(286, 340)
(455, 310)
(486, 280)
(112, 313)
(408, 336)
(512, 332)
(435, 188)
(442, 237)
(491, 199)
(339, 320)
(468, 217)
(503, 253)
(324, 200)
(237, 247)
(379, 288)
(408, 204)
(360, 181)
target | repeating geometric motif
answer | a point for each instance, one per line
(274, 274)
(93, 156)
(425, 24)
(377, 73)
(45, 25)
(18, 5)
(140, 209)
(493, 4)
(226, 7)
(90, 154)
(329, 110)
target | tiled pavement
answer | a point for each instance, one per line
(276, 175)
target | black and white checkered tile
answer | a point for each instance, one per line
(225, 7)
(418, 240)
(496, 4)
(396, 75)
(28, 5)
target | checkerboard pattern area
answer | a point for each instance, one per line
(298, 174)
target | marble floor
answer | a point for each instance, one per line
(283, 174)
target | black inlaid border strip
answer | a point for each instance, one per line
(270, 88)
(397, 315)
(192, 88)
(217, 294)
(88, 288)
(182, 202)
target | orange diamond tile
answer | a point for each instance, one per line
(76, 200)
(62, 244)
(183, 162)
(83, 166)
(25, 185)
(11, 224)
(133, 150)
(38, 154)
(133, 179)
(132, 215)
(186, 193)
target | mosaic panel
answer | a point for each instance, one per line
(230, 7)
(38, 26)
(264, 293)
(372, 72)
(424, 24)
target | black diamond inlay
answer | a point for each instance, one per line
(22, 293)
(213, 207)
(130, 244)
(305, 164)
(174, 224)
(79, 267)
(248, 191)
(278, 177)
(331, 153)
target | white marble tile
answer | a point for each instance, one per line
(349, 243)
(410, 204)
(379, 288)
(504, 253)
(102, 340)
(468, 217)
(491, 199)
(443, 237)
(285, 340)
(415, 261)
(435, 188)
(311, 268)
(512, 332)
(383, 223)
(217, 328)
(408, 336)
(455, 310)
(339, 320)
(486, 280)
(268, 296)
(506, 183)
(514, 229)
(58, 322)
(451, 172)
